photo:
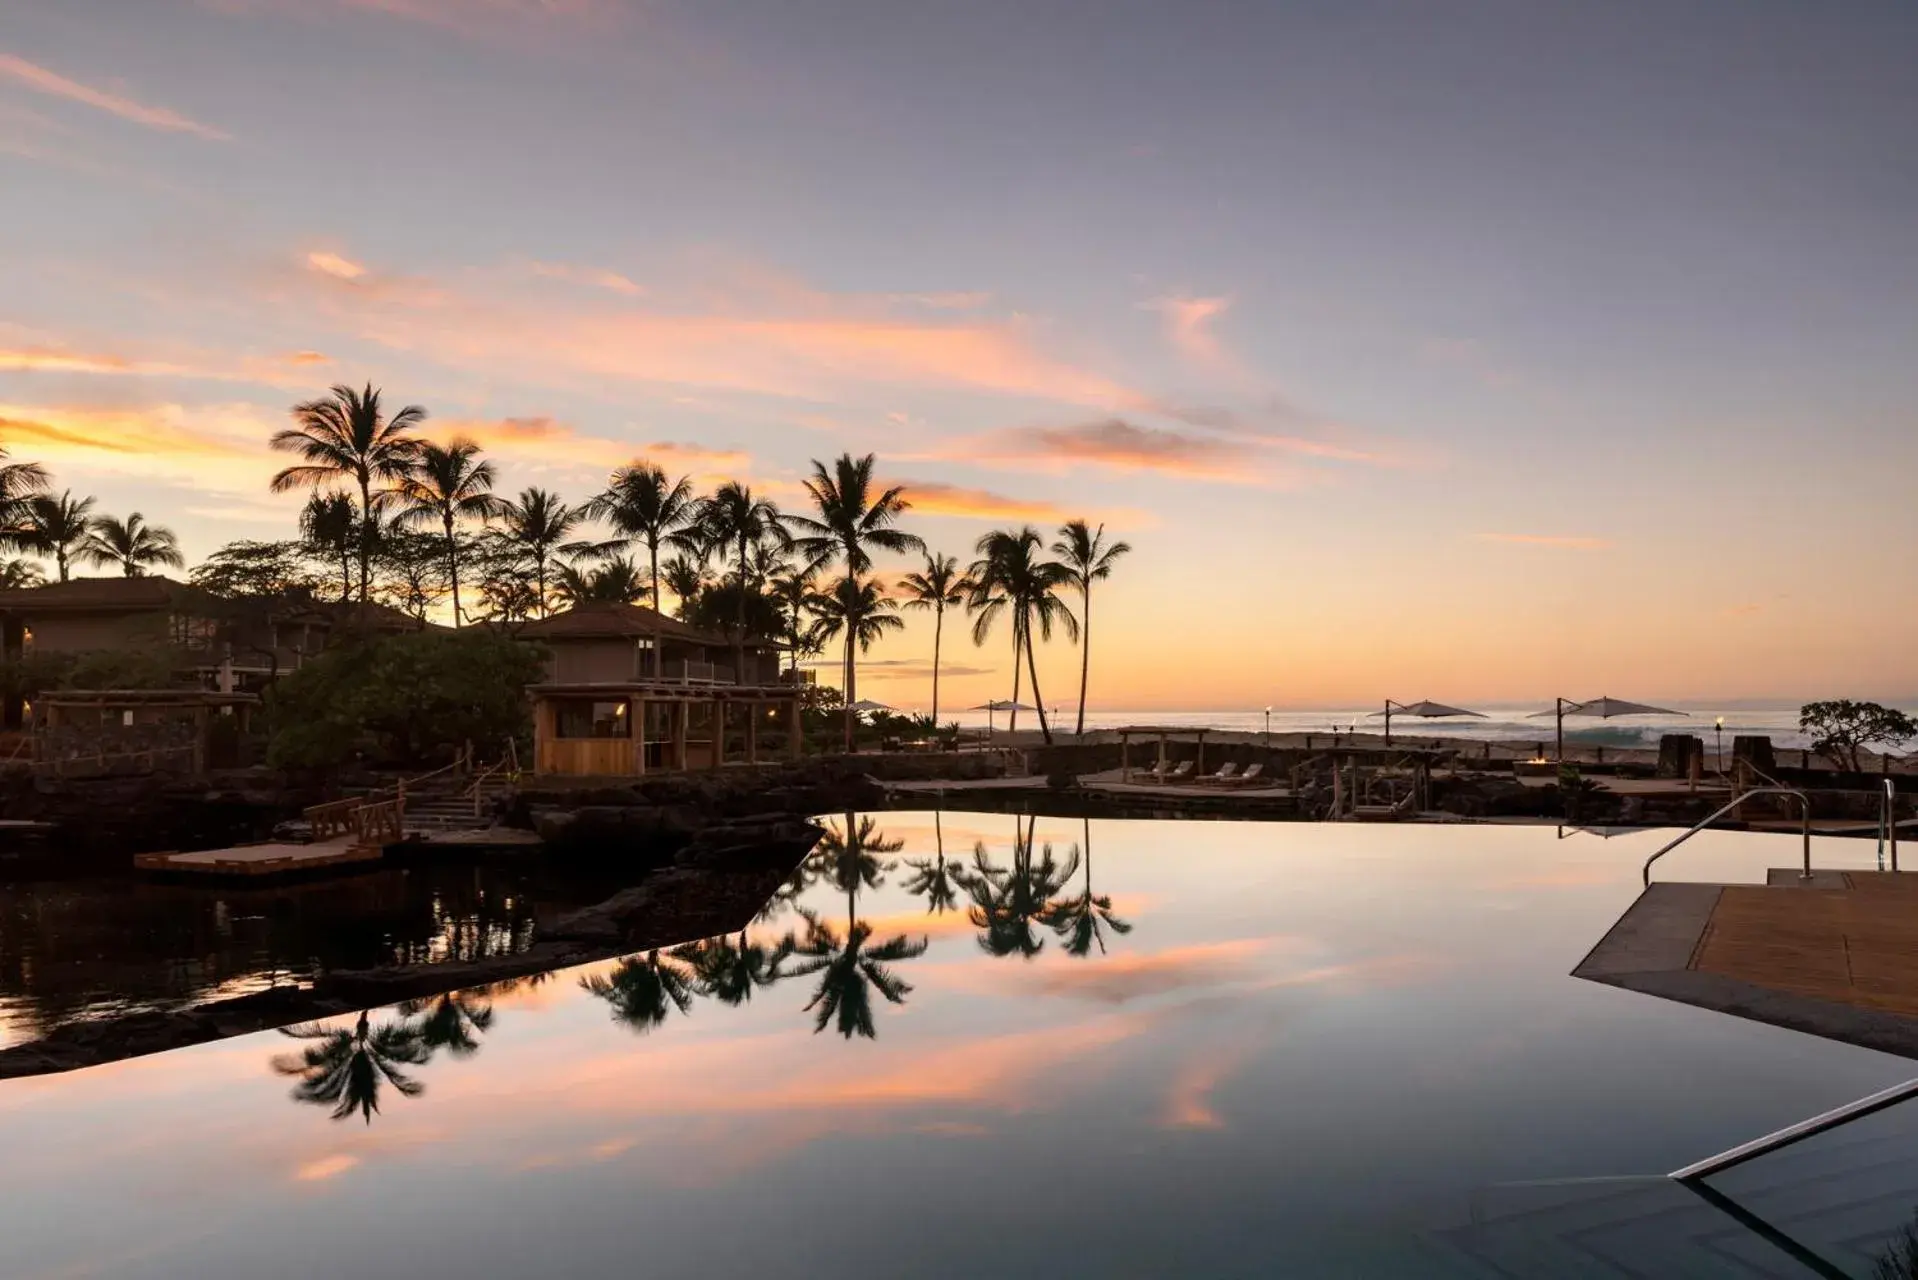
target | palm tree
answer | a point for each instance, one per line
(643, 506)
(450, 484)
(937, 587)
(1080, 921)
(56, 527)
(850, 970)
(449, 1022)
(133, 544)
(642, 992)
(1010, 577)
(19, 481)
(796, 597)
(851, 524)
(1085, 552)
(347, 437)
(1008, 901)
(20, 573)
(862, 612)
(734, 521)
(731, 971)
(346, 1069)
(936, 881)
(685, 579)
(538, 524)
(330, 527)
(616, 582)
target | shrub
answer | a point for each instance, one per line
(1840, 729)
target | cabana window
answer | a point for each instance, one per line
(583, 719)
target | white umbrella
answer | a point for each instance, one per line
(1598, 709)
(867, 704)
(1424, 710)
(990, 707)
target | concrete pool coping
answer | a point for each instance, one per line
(1655, 946)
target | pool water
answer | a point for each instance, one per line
(969, 1044)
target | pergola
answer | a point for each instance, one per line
(1163, 734)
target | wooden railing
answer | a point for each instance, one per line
(383, 823)
(335, 818)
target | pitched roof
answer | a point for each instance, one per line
(107, 594)
(609, 620)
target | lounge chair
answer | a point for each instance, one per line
(1177, 773)
(1228, 772)
(1251, 776)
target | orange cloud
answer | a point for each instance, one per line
(325, 1168)
(1188, 1103)
(1548, 540)
(142, 433)
(932, 498)
(52, 83)
(307, 358)
(1125, 446)
(545, 439)
(48, 359)
(333, 264)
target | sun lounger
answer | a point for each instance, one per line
(1251, 777)
(1227, 772)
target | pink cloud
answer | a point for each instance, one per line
(52, 83)
(1188, 328)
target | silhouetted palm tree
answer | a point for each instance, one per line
(937, 587)
(862, 612)
(851, 522)
(1011, 577)
(796, 596)
(937, 881)
(1086, 554)
(685, 579)
(21, 573)
(730, 971)
(642, 992)
(617, 582)
(346, 1069)
(1080, 921)
(642, 506)
(56, 527)
(537, 525)
(1008, 901)
(850, 969)
(19, 481)
(347, 437)
(448, 485)
(330, 527)
(734, 522)
(133, 544)
(453, 1021)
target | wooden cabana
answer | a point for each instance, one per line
(1162, 734)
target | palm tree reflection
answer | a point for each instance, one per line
(730, 971)
(643, 992)
(1007, 902)
(1080, 921)
(935, 881)
(453, 1021)
(850, 967)
(347, 1069)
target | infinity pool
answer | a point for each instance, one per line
(970, 1044)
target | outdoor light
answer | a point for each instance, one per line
(1268, 728)
(1718, 740)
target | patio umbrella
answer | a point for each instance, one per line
(867, 704)
(990, 707)
(1598, 709)
(1424, 710)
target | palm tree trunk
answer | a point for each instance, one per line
(938, 625)
(652, 547)
(61, 557)
(852, 690)
(1038, 701)
(453, 568)
(1085, 653)
(366, 534)
(539, 574)
(1018, 638)
(346, 573)
(739, 620)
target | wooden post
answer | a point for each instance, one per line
(199, 739)
(682, 712)
(752, 731)
(1125, 757)
(1198, 765)
(636, 708)
(1338, 788)
(717, 756)
(1161, 777)
(795, 731)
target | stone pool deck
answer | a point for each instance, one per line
(1835, 956)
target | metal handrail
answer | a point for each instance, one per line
(1804, 802)
(1796, 1132)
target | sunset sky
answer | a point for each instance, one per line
(1466, 350)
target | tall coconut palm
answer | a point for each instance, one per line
(849, 523)
(734, 522)
(643, 993)
(56, 527)
(133, 544)
(21, 573)
(19, 481)
(1012, 577)
(347, 1069)
(537, 524)
(730, 971)
(796, 596)
(1008, 901)
(1091, 559)
(938, 587)
(685, 579)
(936, 880)
(643, 506)
(330, 527)
(862, 613)
(449, 484)
(616, 582)
(346, 438)
(850, 969)
(1081, 921)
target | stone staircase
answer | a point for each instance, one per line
(462, 803)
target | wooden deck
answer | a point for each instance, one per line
(253, 860)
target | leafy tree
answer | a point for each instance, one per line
(863, 614)
(1011, 577)
(643, 506)
(346, 438)
(404, 699)
(938, 587)
(536, 525)
(256, 571)
(21, 573)
(346, 1070)
(57, 527)
(409, 571)
(1090, 559)
(1842, 728)
(850, 522)
(449, 484)
(509, 589)
(132, 544)
(721, 606)
(330, 530)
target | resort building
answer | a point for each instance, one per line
(629, 691)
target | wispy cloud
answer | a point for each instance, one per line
(1188, 328)
(934, 498)
(1125, 446)
(542, 439)
(42, 80)
(1562, 541)
(1188, 1102)
(597, 277)
(336, 265)
(272, 371)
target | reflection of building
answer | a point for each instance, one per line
(630, 691)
